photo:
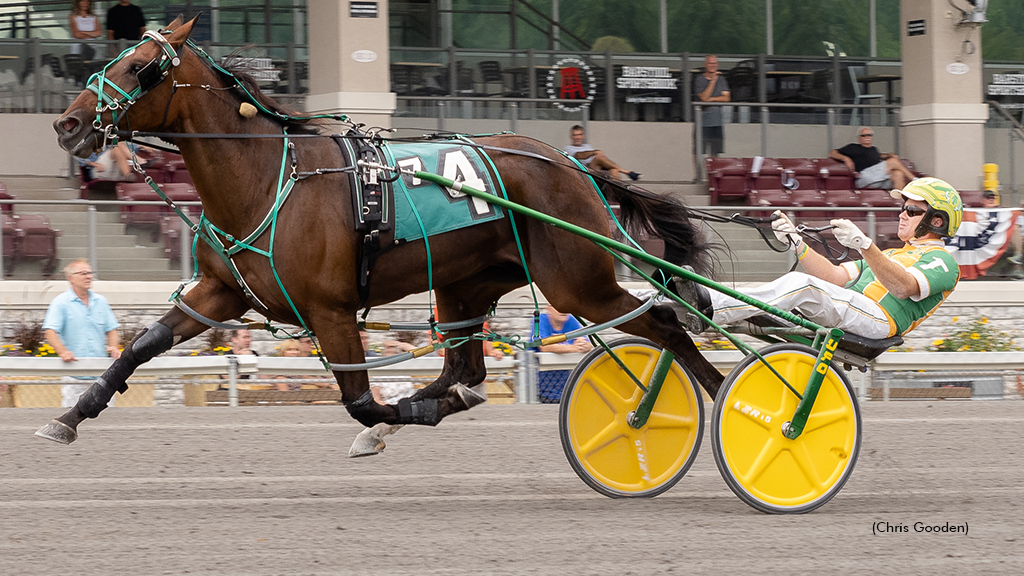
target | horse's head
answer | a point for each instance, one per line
(109, 99)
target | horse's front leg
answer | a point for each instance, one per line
(210, 298)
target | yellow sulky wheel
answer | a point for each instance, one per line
(764, 468)
(607, 453)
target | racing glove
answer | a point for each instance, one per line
(785, 231)
(849, 235)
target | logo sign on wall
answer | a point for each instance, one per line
(647, 78)
(1011, 85)
(571, 79)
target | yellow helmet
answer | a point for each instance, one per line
(943, 200)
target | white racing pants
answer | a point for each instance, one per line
(819, 301)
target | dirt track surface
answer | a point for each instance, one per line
(270, 491)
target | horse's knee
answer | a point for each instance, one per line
(154, 339)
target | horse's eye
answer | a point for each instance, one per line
(135, 68)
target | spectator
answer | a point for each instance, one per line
(85, 26)
(553, 322)
(125, 20)
(289, 349)
(240, 341)
(306, 347)
(872, 169)
(712, 87)
(990, 201)
(114, 164)
(364, 338)
(594, 159)
(80, 324)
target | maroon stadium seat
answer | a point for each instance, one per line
(769, 177)
(971, 198)
(37, 240)
(804, 171)
(11, 241)
(770, 199)
(7, 208)
(834, 175)
(728, 178)
(847, 199)
(810, 198)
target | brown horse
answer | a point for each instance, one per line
(318, 249)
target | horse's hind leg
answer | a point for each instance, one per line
(210, 298)
(659, 324)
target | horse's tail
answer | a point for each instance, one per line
(645, 212)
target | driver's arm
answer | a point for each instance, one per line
(818, 266)
(896, 279)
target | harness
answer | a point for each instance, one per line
(373, 202)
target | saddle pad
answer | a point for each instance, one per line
(440, 209)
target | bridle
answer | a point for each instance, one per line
(148, 77)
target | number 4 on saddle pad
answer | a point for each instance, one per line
(439, 209)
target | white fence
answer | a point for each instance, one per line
(521, 371)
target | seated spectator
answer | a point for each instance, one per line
(553, 322)
(365, 339)
(289, 349)
(872, 168)
(594, 159)
(114, 164)
(240, 341)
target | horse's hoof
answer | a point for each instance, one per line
(58, 432)
(459, 393)
(371, 441)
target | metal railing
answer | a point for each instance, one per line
(522, 369)
(185, 234)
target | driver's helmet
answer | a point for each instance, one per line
(943, 200)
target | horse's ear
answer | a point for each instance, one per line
(177, 22)
(180, 34)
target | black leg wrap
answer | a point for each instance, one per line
(365, 410)
(156, 338)
(95, 399)
(417, 412)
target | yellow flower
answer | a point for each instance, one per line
(938, 342)
(975, 336)
(955, 318)
(984, 320)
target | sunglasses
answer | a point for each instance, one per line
(913, 211)
(867, 135)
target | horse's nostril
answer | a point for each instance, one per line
(69, 124)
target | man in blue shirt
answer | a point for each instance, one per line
(80, 324)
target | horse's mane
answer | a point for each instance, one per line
(237, 67)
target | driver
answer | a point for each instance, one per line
(894, 291)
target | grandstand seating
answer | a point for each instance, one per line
(150, 216)
(27, 237)
(728, 178)
(162, 167)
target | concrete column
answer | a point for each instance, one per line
(348, 63)
(943, 113)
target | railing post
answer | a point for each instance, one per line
(791, 257)
(440, 115)
(764, 131)
(609, 85)
(233, 381)
(895, 130)
(872, 225)
(513, 115)
(91, 216)
(453, 72)
(37, 63)
(830, 122)
(684, 72)
(698, 141)
(293, 82)
(533, 379)
(186, 251)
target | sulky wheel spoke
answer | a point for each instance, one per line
(606, 436)
(664, 420)
(802, 456)
(819, 420)
(760, 464)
